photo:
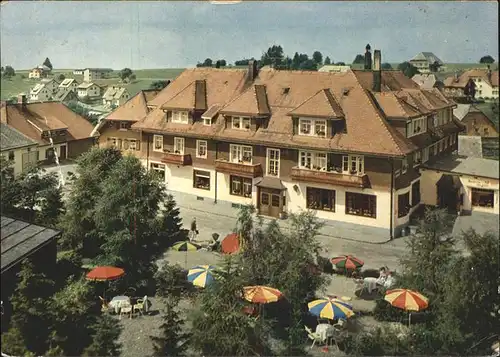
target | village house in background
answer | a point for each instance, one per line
(78, 71)
(464, 184)
(65, 96)
(16, 147)
(346, 144)
(70, 84)
(88, 90)
(115, 96)
(482, 82)
(51, 84)
(71, 133)
(425, 60)
(427, 81)
(92, 74)
(39, 72)
(40, 93)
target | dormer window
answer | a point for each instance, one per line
(207, 121)
(180, 117)
(241, 123)
(417, 126)
(123, 125)
(313, 127)
(286, 90)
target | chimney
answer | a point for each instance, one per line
(21, 99)
(368, 57)
(377, 71)
(252, 70)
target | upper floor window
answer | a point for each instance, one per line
(404, 165)
(312, 160)
(315, 127)
(353, 164)
(158, 143)
(11, 155)
(124, 125)
(241, 123)
(207, 121)
(417, 126)
(273, 162)
(201, 149)
(240, 154)
(179, 146)
(180, 117)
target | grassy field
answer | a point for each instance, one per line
(144, 78)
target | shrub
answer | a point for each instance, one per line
(384, 311)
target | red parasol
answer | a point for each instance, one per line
(105, 273)
(230, 244)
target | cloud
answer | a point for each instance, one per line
(178, 34)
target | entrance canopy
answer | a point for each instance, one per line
(449, 181)
(271, 182)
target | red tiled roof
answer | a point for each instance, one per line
(46, 116)
(252, 102)
(321, 105)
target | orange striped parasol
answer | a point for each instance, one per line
(405, 299)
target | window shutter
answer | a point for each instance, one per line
(169, 116)
(125, 144)
(138, 145)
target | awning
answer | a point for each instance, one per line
(271, 182)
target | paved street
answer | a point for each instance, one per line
(221, 219)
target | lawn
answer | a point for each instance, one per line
(144, 78)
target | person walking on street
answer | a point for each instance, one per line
(194, 230)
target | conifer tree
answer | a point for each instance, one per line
(105, 338)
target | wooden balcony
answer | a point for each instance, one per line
(176, 159)
(329, 177)
(238, 169)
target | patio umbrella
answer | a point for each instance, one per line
(230, 244)
(407, 300)
(261, 294)
(185, 246)
(330, 309)
(105, 273)
(347, 262)
(201, 275)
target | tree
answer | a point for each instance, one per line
(487, 59)
(359, 59)
(274, 57)
(222, 63)
(172, 341)
(386, 66)
(33, 195)
(170, 225)
(308, 65)
(220, 309)
(317, 58)
(104, 338)
(340, 63)
(158, 85)
(132, 77)
(328, 60)
(434, 67)
(61, 77)
(408, 69)
(75, 107)
(47, 63)
(125, 74)
(243, 62)
(13, 342)
(9, 72)
(29, 305)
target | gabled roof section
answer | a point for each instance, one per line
(211, 112)
(11, 139)
(252, 102)
(321, 105)
(133, 109)
(395, 107)
(192, 97)
(86, 85)
(150, 94)
(37, 88)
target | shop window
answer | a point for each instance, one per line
(201, 179)
(359, 204)
(403, 204)
(482, 198)
(320, 199)
(241, 186)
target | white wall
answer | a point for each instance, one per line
(18, 158)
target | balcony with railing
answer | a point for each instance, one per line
(176, 159)
(238, 168)
(333, 177)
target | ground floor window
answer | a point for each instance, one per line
(201, 179)
(158, 169)
(360, 204)
(403, 204)
(482, 198)
(240, 186)
(320, 199)
(415, 193)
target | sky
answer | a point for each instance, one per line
(178, 34)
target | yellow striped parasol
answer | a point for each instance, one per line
(330, 309)
(261, 294)
(405, 299)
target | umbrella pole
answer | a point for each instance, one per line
(409, 319)
(186, 260)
